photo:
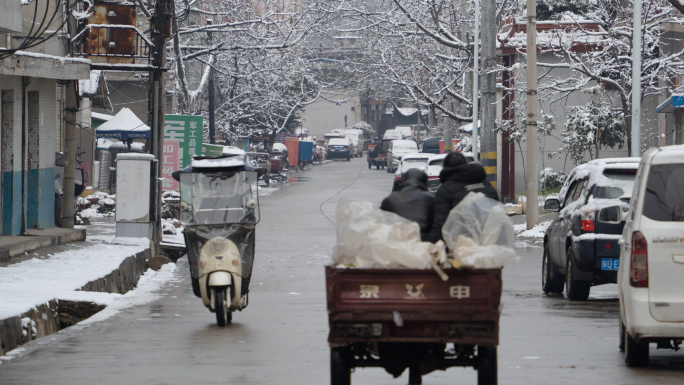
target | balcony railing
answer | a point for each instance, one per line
(113, 44)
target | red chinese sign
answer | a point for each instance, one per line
(169, 164)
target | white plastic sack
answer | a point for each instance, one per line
(479, 232)
(368, 237)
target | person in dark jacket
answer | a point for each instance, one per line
(458, 178)
(412, 201)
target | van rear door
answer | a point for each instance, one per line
(662, 224)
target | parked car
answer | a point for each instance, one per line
(415, 160)
(337, 133)
(431, 145)
(651, 266)
(392, 135)
(435, 166)
(396, 149)
(356, 139)
(580, 245)
(339, 148)
(406, 132)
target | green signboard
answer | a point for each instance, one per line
(187, 131)
(212, 150)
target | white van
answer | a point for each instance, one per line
(353, 138)
(651, 271)
(406, 132)
(392, 135)
(397, 149)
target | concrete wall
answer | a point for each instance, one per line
(323, 116)
(38, 186)
(12, 173)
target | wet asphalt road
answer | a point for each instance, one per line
(281, 337)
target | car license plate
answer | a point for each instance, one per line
(610, 264)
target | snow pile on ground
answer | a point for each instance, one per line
(36, 281)
(536, 232)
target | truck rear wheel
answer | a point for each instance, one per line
(486, 366)
(340, 366)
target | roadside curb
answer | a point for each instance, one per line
(51, 317)
(12, 246)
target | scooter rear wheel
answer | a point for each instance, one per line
(223, 314)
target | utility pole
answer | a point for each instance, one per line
(160, 25)
(212, 91)
(71, 106)
(488, 140)
(531, 116)
(636, 81)
(476, 82)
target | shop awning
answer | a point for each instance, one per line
(676, 101)
(124, 125)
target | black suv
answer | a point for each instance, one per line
(581, 244)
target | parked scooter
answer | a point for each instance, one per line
(220, 210)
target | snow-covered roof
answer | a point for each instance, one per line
(406, 111)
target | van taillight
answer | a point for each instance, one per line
(638, 264)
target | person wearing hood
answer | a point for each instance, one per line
(458, 178)
(412, 201)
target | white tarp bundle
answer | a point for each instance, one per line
(368, 237)
(479, 232)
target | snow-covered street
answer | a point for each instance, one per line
(161, 333)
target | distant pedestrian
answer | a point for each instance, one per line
(412, 201)
(458, 178)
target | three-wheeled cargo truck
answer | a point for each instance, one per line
(410, 318)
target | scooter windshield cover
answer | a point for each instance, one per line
(196, 237)
(223, 197)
